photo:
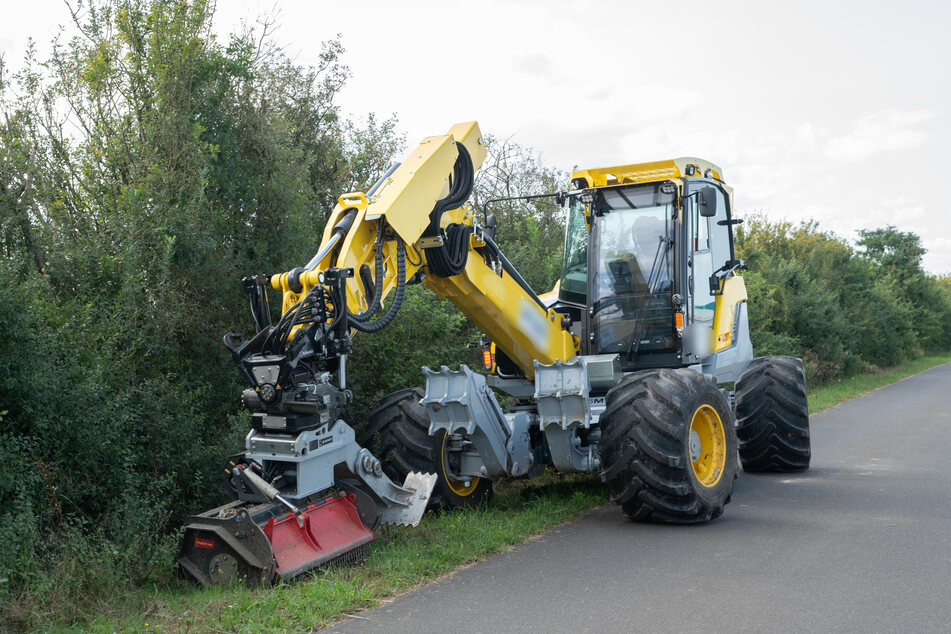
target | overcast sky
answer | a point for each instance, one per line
(836, 111)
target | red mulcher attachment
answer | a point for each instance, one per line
(321, 533)
(257, 543)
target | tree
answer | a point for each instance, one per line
(811, 295)
(145, 168)
(897, 252)
(530, 232)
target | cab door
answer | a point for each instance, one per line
(708, 248)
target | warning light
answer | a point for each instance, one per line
(487, 358)
(679, 320)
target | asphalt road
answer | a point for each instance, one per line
(859, 543)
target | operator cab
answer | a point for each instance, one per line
(638, 261)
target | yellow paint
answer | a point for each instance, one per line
(494, 302)
(646, 172)
(353, 200)
(405, 200)
(734, 292)
(409, 194)
(523, 330)
(501, 309)
(707, 428)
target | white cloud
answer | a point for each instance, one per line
(535, 64)
(938, 257)
(878, 132)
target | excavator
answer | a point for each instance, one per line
(637, 366)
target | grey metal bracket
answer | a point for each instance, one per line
(567, 452)
(410, 509)
(316, 452)
(430, 243)
(561, 390)
(461, 402)
(565, 407)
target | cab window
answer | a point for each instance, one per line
(574, 270)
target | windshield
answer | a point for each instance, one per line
(632, 286)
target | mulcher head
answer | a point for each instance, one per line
(318, 535)
(260, 543)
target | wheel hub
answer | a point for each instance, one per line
(707, 444)
(464, 485)
(694, 445)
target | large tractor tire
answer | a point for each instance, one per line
(668, 447)
(772, 413)
(398, 434)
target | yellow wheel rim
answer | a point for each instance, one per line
(456, 486)
(707, 445)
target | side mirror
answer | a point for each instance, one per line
(707, 198)
(491, 224)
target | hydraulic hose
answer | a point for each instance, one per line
(378, 264)
(281, 329)
(378, 276)
(509, 268)
(384, 321)
(450, 258)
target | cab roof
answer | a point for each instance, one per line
(684, 166)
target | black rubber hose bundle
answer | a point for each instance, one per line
(450, 258)
(384, 321)
(378, 276)
(299, 313)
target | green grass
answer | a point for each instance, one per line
(825, 396)
(399, 560)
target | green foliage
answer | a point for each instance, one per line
(429, 331)
(144, 169)
(400, 559)
(895, 252)
(530, 233)
(813, 296)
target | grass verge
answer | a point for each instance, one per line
(825, 396)
(399, 560)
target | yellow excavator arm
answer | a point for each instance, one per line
(415, 223)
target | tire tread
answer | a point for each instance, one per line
(772, 412)
(643, 443)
